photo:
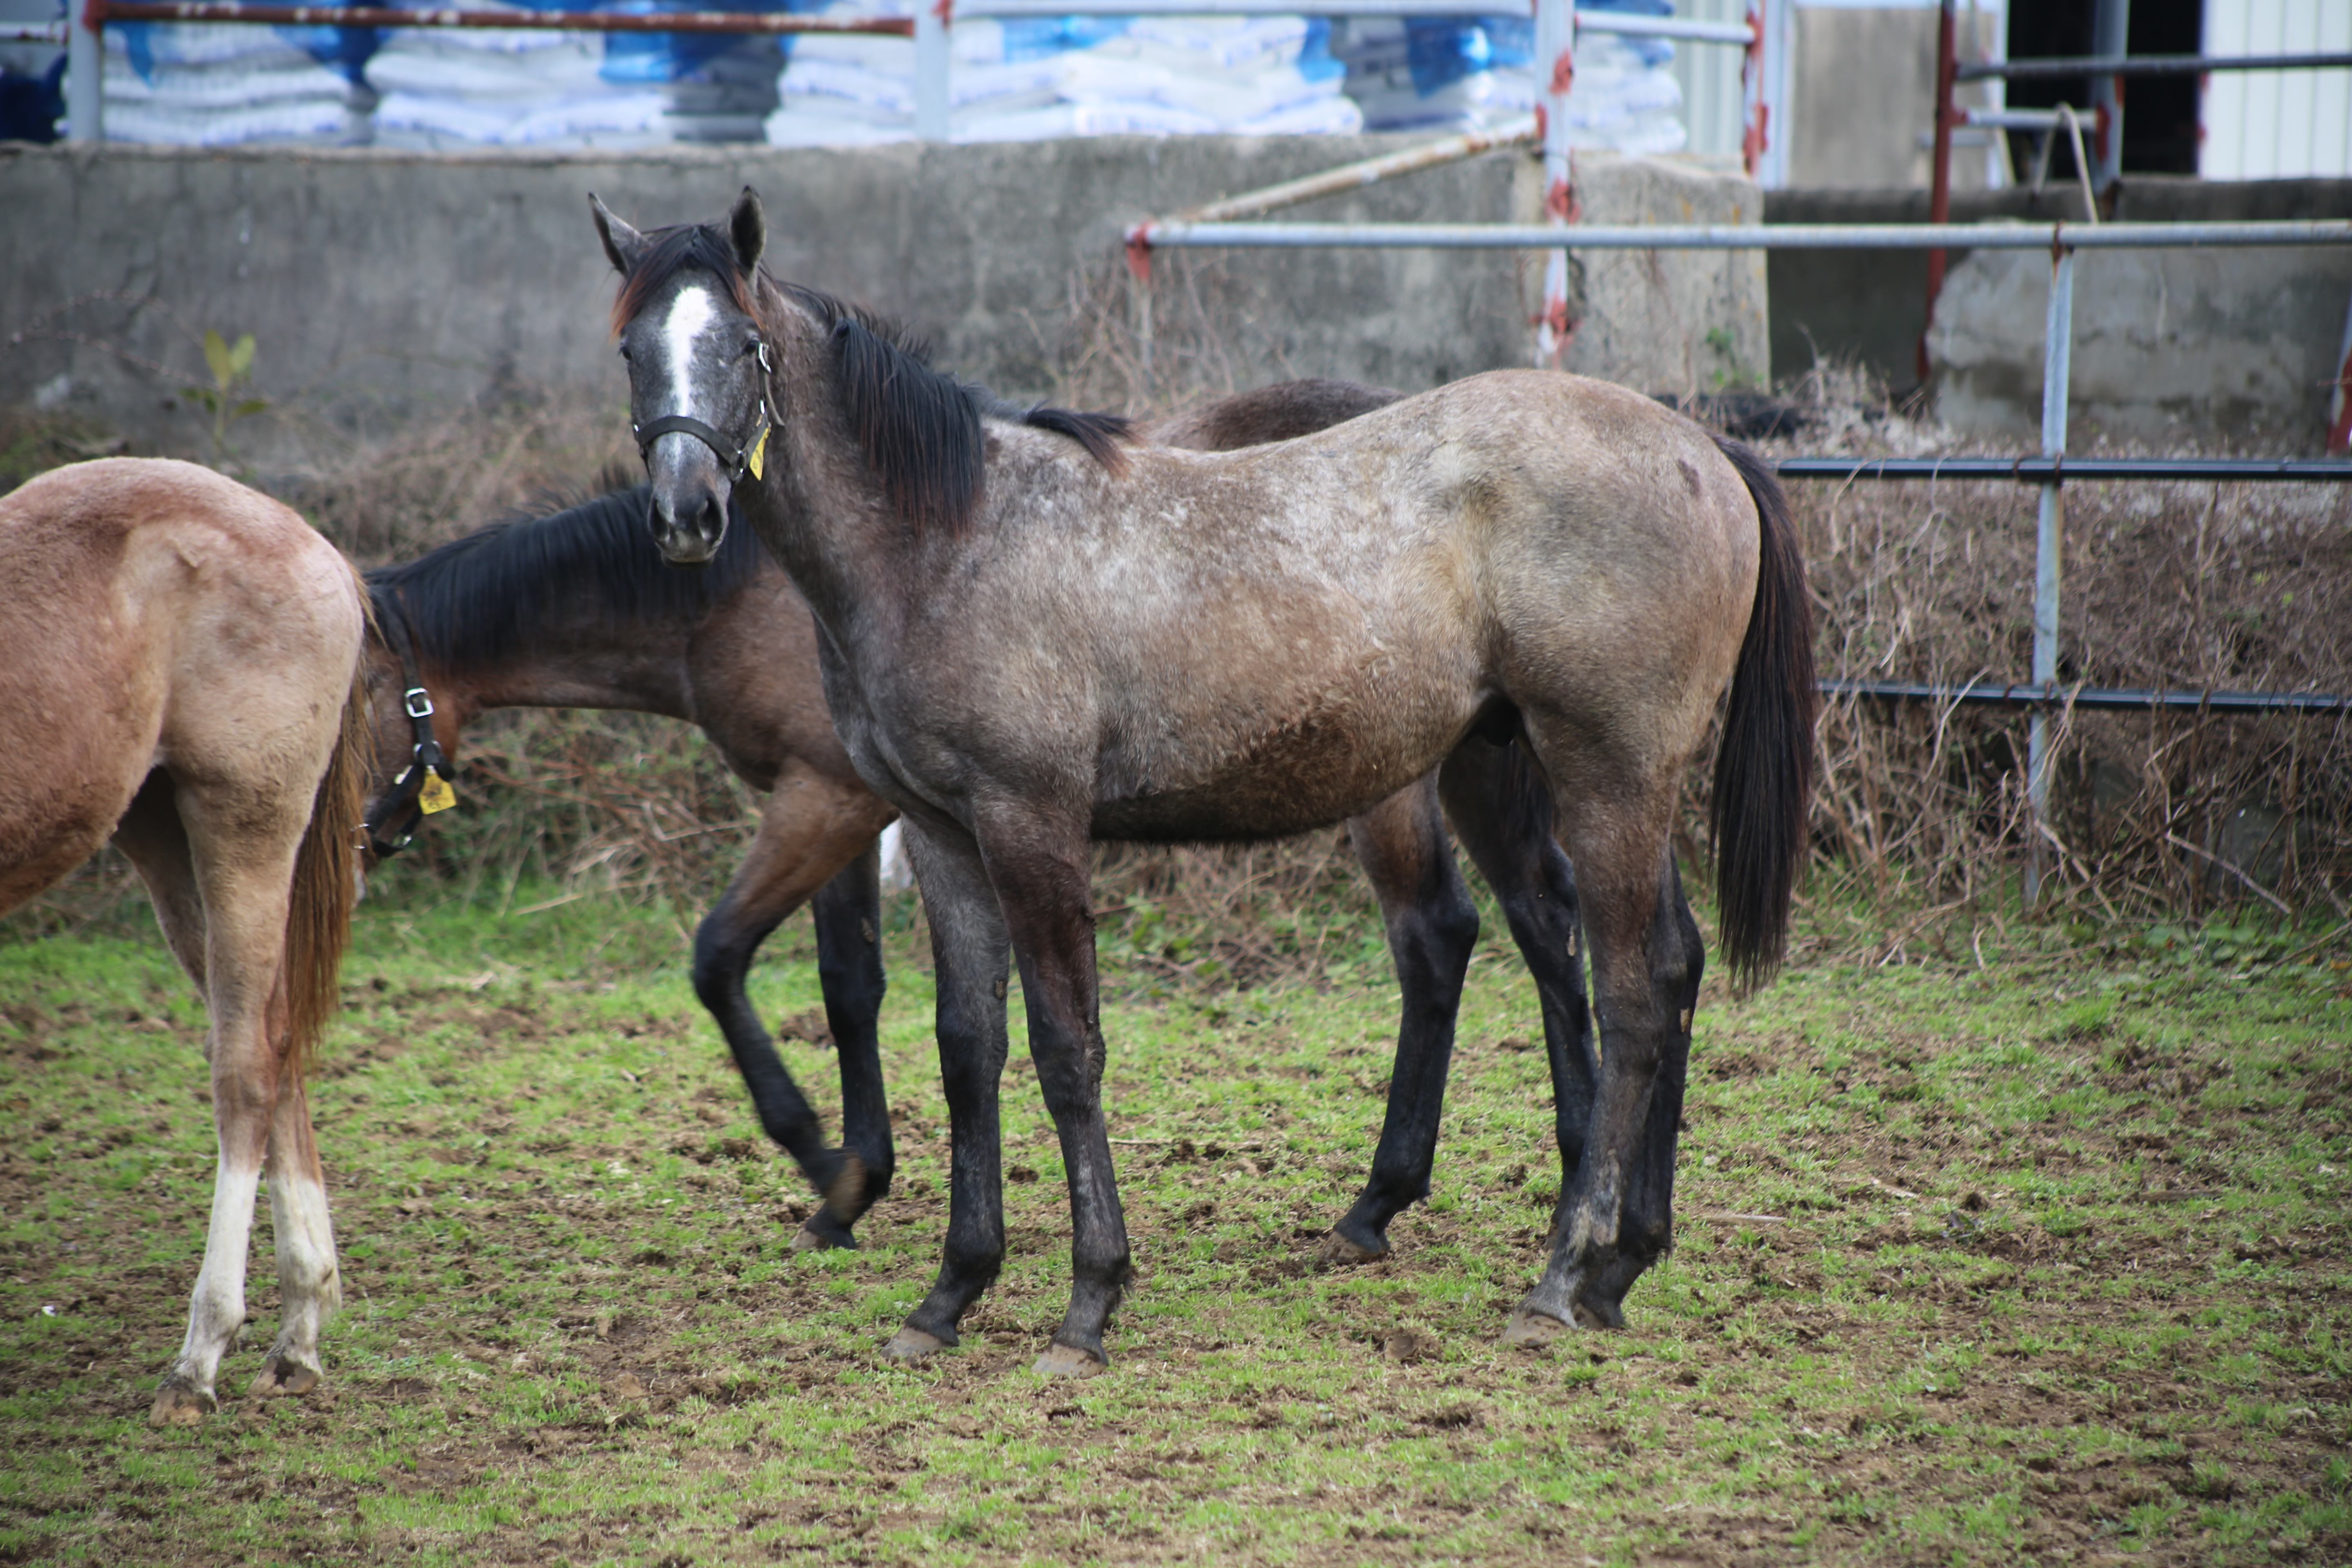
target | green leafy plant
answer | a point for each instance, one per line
(232, 368)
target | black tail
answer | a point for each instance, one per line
(1764, 769)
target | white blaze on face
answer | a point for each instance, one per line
(688, 314)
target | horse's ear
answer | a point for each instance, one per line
(623, 244)
(747, 230)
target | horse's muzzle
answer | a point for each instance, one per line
(689, 499)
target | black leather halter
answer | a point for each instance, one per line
(392, 816)
(735, 456)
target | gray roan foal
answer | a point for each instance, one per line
(1033, 635)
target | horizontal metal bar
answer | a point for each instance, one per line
(99, 12)
(1632, 26)
(1587, 21)
(2011, 118)
(1352, 176)
(2058, 471)
(2143, 64)
(1761, 237)
(965, 10)
(2109, 699)
(38, 33)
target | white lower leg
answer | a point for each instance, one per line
(309, 1282)
(216, 1309)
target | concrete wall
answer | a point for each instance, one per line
(1680, 321)
(1863, 91)
(2240, 343)
(381, 286)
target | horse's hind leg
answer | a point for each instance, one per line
(1501, 808)
(1647, 1230)
(152, 838)
(1431, 928)
(1645, 966)
(309, 1280)
(812, 827)
(237, 902)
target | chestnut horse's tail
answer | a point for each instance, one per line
(1764, 766)
(326, 883)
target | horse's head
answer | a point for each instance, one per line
(698, 367)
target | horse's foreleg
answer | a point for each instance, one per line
(309, 1282)
(1431, 928)
(968, 951)
(1501, 806)
(1643, 976)
(848, 914)
(1037, 864)
(813, 826)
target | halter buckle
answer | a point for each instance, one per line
(417, 702)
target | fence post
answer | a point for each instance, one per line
(2057, 357)
(85, 74)
(1555, 54)
(1939, 169)
(2110, 39)
(932, 100)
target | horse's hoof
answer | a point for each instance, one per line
(180, 1403)
(282, 1375)
(812, 1237)
(1338, 1251)
(912, 1344)
(1593, 1312)
(1530, 1328)
(1068, 1361)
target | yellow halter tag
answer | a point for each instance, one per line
(760, 453)
(434, 795)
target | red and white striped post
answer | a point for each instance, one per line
(1555, 56)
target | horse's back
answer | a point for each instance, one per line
(157, 615)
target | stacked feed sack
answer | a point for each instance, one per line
(215, 84)
(717, 87)
(1436, 73)
(32, 72)
(1444, 74)
(1033, 78)
(457, 86)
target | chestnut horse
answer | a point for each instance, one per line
(1033, 635)
(183, 676)
(576, 609)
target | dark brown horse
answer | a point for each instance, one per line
(181, 676)
(576, 609)
(1033, 635)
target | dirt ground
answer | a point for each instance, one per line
(1969, 1268)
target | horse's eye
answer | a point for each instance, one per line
(750, 348)
(625, 354)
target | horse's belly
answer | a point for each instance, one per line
(1208, 782)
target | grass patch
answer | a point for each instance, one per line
(2043, 1260)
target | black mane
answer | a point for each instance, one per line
(920, 426)
(488, 595)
